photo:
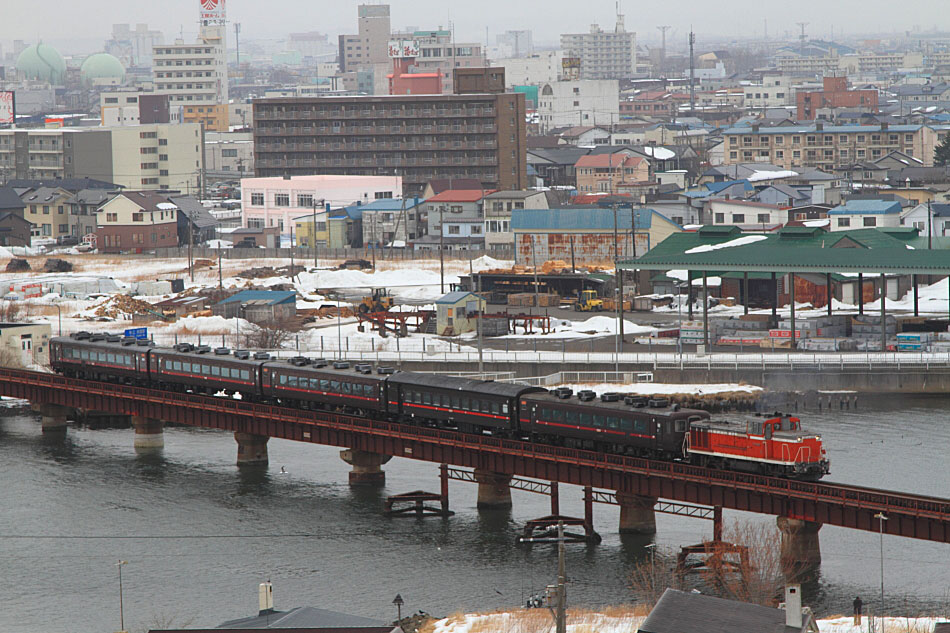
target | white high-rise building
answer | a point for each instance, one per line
(195, 74)
(603, 54)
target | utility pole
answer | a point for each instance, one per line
(441, 249)
(313, 230)
(560, 589)
(930, 227)
(237, 43)
(692, 75)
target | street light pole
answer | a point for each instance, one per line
(882, 518)
(441, 250)
(121, 606)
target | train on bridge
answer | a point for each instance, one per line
(626, 425)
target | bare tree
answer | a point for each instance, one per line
(270, 334)
(652, 576)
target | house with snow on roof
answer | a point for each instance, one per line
(746, 213)
(605, 173)
(856, 214)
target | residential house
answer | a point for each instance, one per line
(15, 230)
(924, 216)
(47, 209)
(438, 185)
(856, 214)
(193, 214)
(25, 344)
(255, 237)
(455, 220)
(83, 207)
(585, 136)
(555, 167)
(135, 221)
(498, 209)
(683, 612)
(396, 221)
(258, 306)
(784, 195)
(604, 173)
(746, 213)
(898, 160)
(649, 103)
(586, 235)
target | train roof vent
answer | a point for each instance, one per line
(299, 361)
(203, 349)
(81, 336)
(364, 368)
(563, 392)
(242, 354)
(261, 356)
(611, 396)
(341, 364)
(97, 337)
(586, 395)
(221, 351)
(113, 338)
(385, 371)
(319, 362)
(144, 342)
(636, 401)
(129, 340)
(184, 347)
(659, 403)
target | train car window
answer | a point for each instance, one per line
(679, 426)
(495, 408)
(504, 407)
(314, 384)
(427, 398)
(335, 386)
(292, 381)
(600, 421)
(206, 370)
(456, 402)
(110, 358)
(368, 390)
(417, 397)
(640, 426)
(176, 365)
(245, 374)
(283, 379)
(486, 406)
(85, 355)
(347, 388)
(626, 425)
(215, 370)
(585, 419)
(324, 384)
(613, 423)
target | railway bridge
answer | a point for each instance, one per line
(801, 507)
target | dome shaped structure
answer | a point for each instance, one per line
(42, 62)
(102, 68)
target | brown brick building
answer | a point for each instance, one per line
(834, 94)
(418, 137)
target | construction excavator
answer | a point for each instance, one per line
(379, 301)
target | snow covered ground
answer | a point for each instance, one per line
(666, 389)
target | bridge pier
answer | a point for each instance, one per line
(494, 492)
(801, 550)
(252, 449)
(149, 434)
(52, 418)
(636, 513)
(367, 467)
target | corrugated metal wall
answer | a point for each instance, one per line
(589, 249)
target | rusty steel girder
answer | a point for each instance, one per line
(909, 515)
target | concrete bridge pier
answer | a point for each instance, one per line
(149, 434)
(367, 467)
(801, 550)
(52, 418)
(252, 449)
(494, 491)
(636, 513)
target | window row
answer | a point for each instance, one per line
(328, 385)
(99, 357)
(456, 402)
(207, 370)
(594, 420)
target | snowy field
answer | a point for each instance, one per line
(666, 389)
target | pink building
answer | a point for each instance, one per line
(267, 202)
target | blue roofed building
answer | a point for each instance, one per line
(393, 221)
(859, 214)
(258, 306)
(585, 236)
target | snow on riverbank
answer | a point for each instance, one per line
(668, 389)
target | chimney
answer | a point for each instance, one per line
(884, 126)
(265, 598)
(793, 606)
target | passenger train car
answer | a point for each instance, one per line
(628, 425)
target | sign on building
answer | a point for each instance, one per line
(403, 48)
(570, 68)
(212, 12)
(140, 333)
(7, 106)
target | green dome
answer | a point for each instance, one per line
(42, 62)
(101, 66)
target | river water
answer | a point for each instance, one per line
(199, 534)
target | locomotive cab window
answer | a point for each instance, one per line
(680, 426)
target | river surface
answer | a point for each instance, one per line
(199, 534)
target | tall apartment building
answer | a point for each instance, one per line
(585, 102)
(196, 74)
(826, 147)
(156, 156)
(603, 54)
(417, 137)
(371, 44)
(134, 47)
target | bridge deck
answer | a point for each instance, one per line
(909, 515)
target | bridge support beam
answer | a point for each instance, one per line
(252, 449)
(636, 513)
(367, 469)
(149, 434)
(52, 418)
(800, 546)
(494, 491)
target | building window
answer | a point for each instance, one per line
(720, 218)
(112, 217)
(229, 153)
(383, 195)
(763, 218)
(453, 229)
(738, 218)
(282, 199)
(844, 221)
(305, 200)
(257, 199)
(138, 217)
(870, 221)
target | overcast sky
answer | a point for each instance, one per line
(91, 20)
